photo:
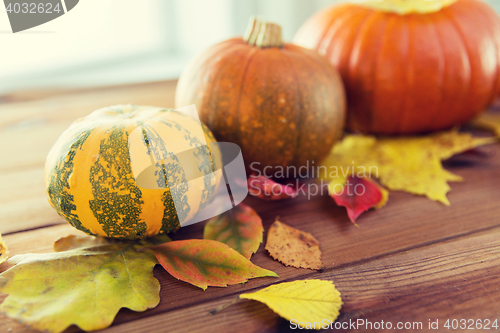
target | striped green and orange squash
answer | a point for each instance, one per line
(90, 171)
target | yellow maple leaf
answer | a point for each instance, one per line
(304, 301)
(411, 164)
(4, 252)
(489, 121)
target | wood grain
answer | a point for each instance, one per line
(413, 260)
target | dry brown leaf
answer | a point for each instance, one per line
(293, 247)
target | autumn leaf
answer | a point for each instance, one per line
(357, 195)
(267, 189)
(4, 252)
(86, 285)
(72, 242)
(240, 228)
(293, 247)
(489, 121)
(204, 263)
(305, 301)
(411, 164)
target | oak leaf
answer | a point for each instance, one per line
(204, 263)
(357, 195)
(267, 189)
(411, 164)
(293, 247)
(240, 228)
(304, 301)
(86, 285)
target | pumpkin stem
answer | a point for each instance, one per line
(263, 34)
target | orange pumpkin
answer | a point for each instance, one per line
(284, 105)
(410, 66)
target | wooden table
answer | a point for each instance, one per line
(413, 261)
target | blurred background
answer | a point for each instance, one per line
(108, 42)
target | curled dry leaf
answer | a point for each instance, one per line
(293, 247)
(204, 263)
(357, 195)
(84, 286)
(267, 189)
(4, 252)
(240, 228)
(411, 164)
(305, 301)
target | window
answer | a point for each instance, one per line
(122, 41)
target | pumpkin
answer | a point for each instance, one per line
(410, 66)
(91, 171)
(284, 105)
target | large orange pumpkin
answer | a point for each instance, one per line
(284, 105)
(410, 66)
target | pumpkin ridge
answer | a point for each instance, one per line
(211, 120)
(409, 72)
(157, 199)
(326, 32)
(495, 92)
(376, 66)
(339, 101)
(329, 44)
(236, 131)
(358, 39)
(170, 209)
(443, 71)
(460, 93)
(300, 109)
(406, 83)
(62, 200)
(111, 204)
(463, 40)
(207, 166)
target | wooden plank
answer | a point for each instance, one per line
(456, 279)
(29, 126)
(23, 206)
(384, 287)
(29, 129)
(372, 254)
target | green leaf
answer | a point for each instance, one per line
(305, 301)
(240, 228)
(84, 286)
(204, 263)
